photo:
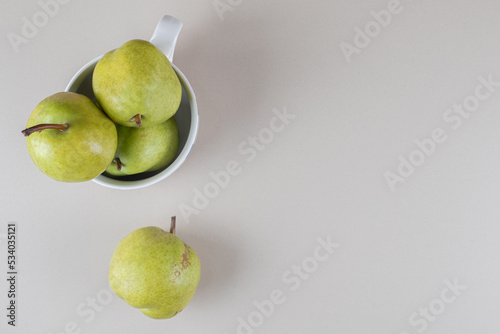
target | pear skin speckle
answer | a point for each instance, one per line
(137, 79)
(154, 271)
(80, 153)
(145, 150)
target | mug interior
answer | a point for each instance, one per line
(82, 84)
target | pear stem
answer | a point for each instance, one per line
(118, 164)
(137, 120)
(172, 225)
(41, 127)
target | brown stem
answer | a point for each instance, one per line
(41, 127)
(172, 225)
(137, 120)
(118, 164)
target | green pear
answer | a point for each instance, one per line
(69, 138)
(145, 149)
(136, 85)
(155, 271)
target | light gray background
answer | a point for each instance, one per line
(322, 176)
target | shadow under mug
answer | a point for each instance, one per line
(164, 38)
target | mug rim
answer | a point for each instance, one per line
(102, 179)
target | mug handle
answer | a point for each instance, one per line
(165, 35)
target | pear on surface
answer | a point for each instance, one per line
(155, 271)
(136, 85)
(69, 138)
(145, 149)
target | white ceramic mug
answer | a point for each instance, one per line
(164, 38)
